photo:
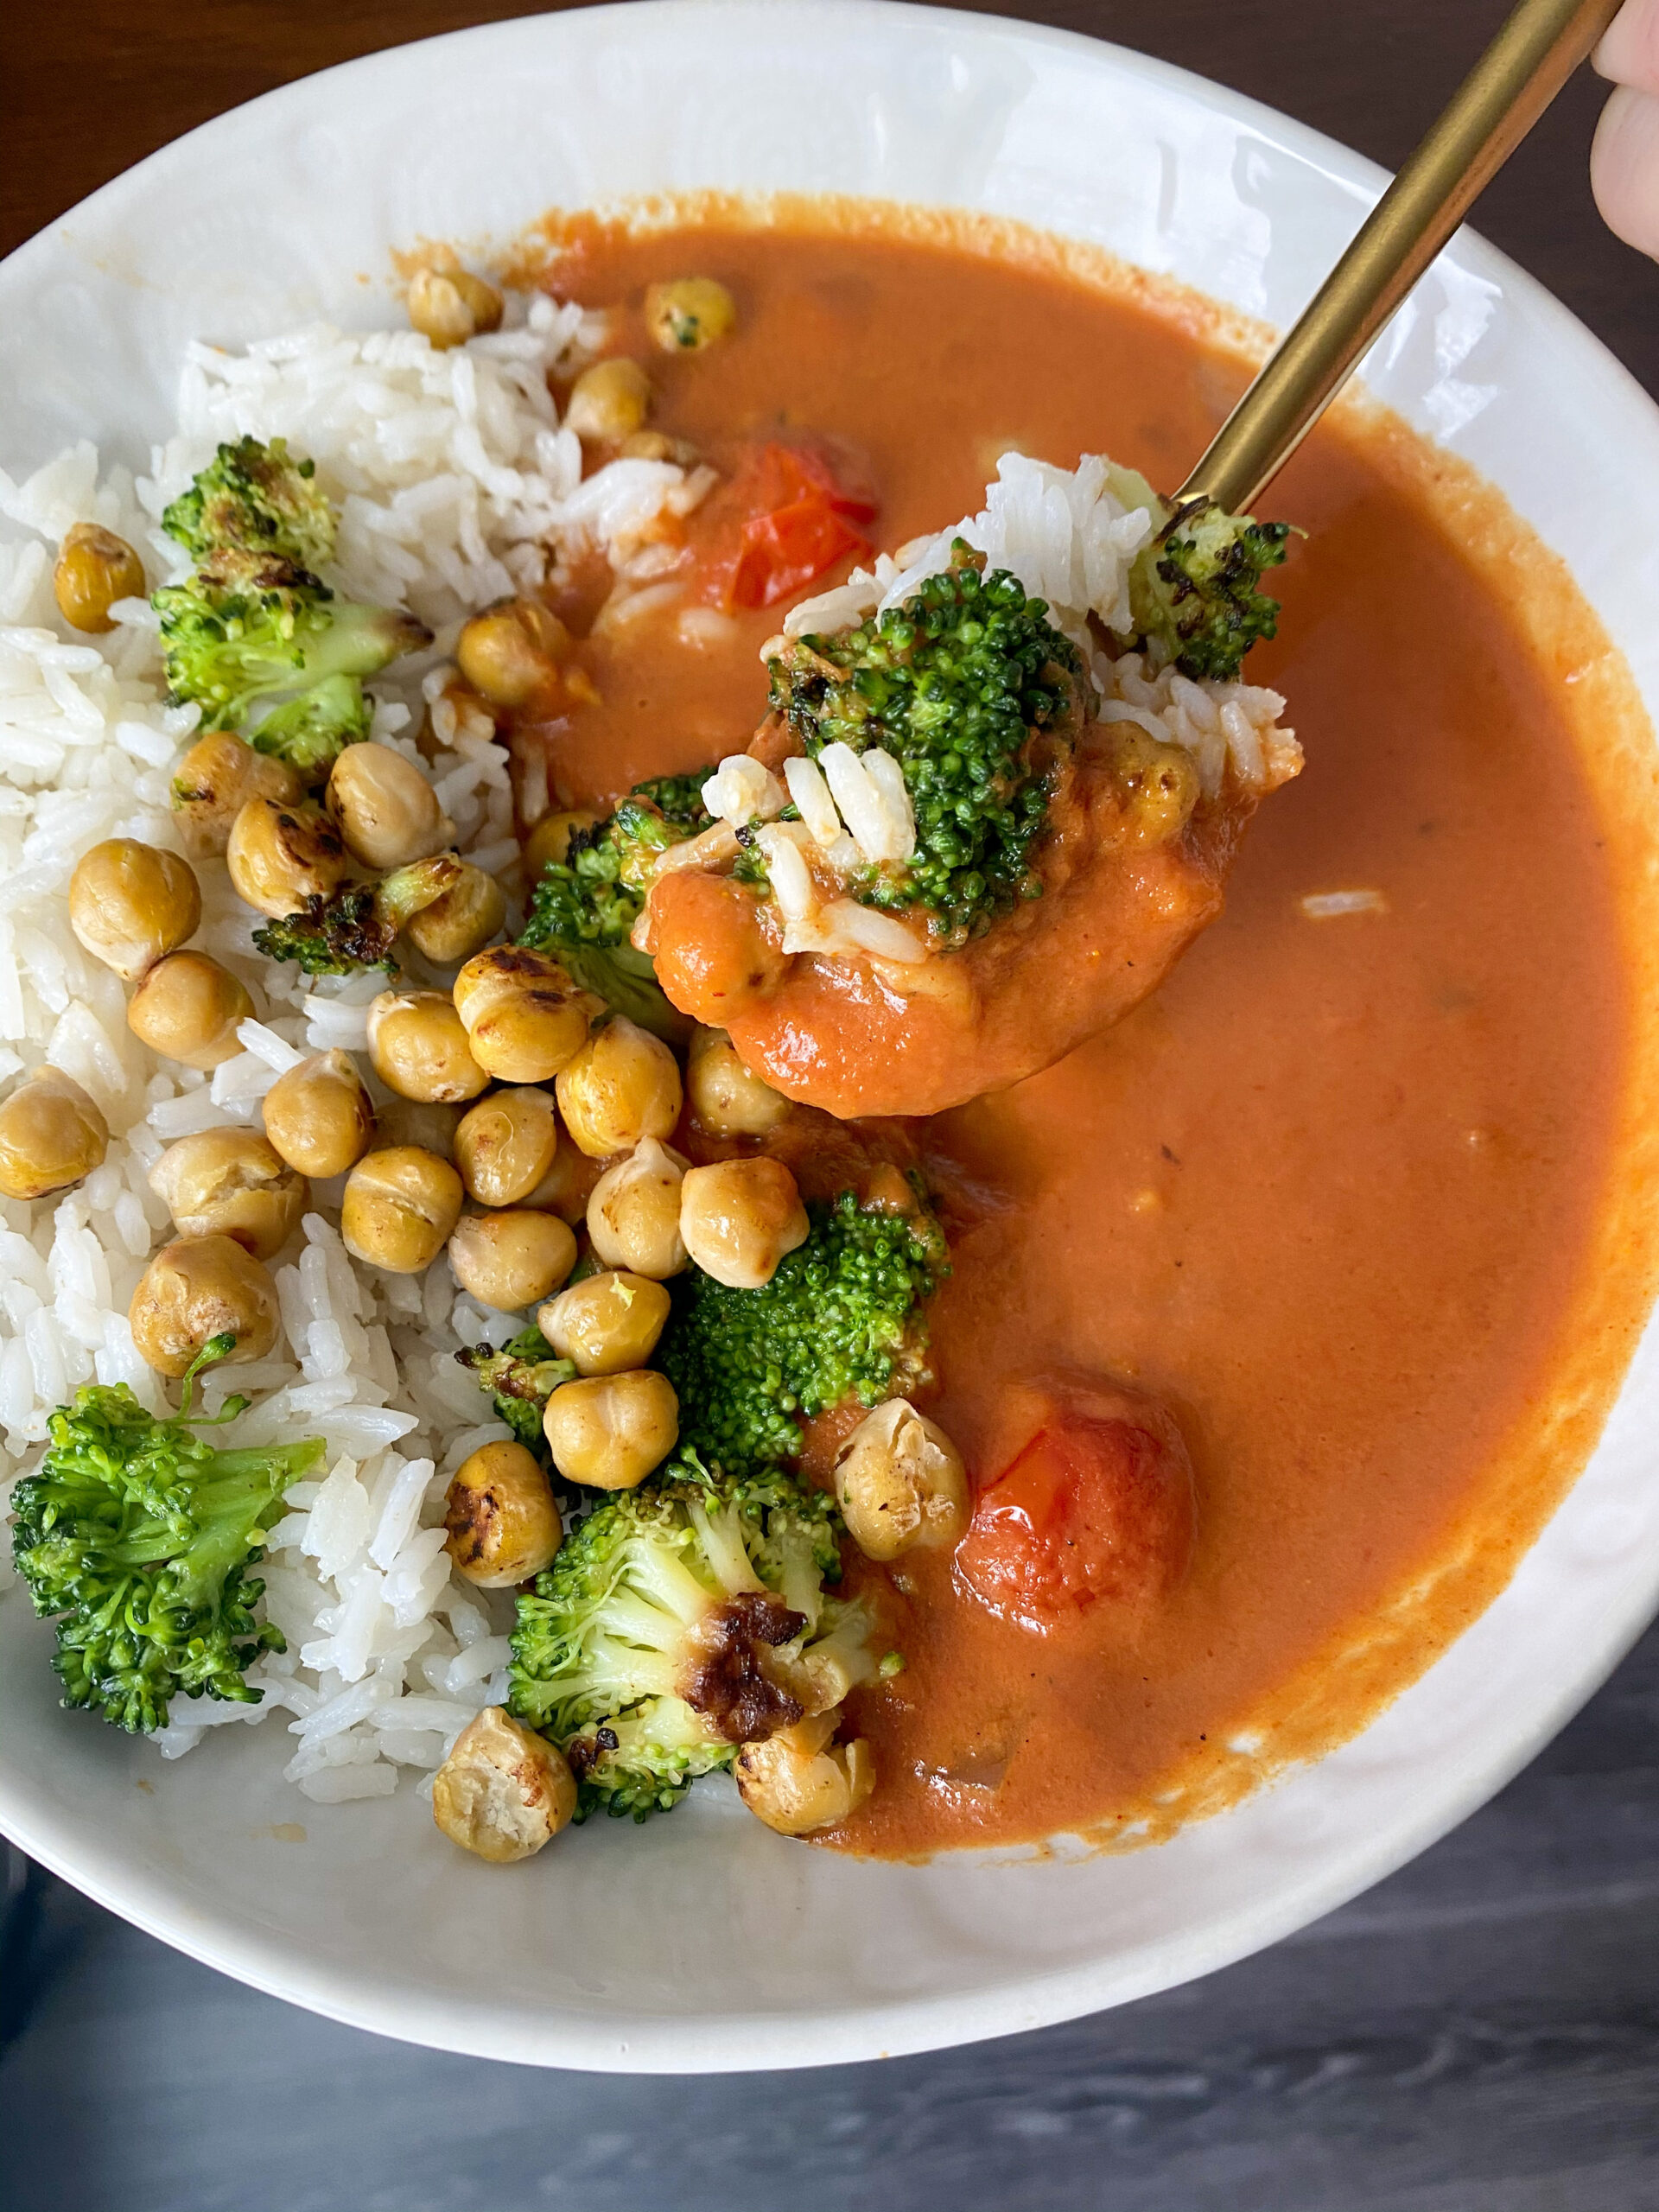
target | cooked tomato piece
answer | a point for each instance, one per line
(782, 520)
(1097, 1505)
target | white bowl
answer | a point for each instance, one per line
(703, 1942)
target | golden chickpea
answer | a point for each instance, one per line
(739, 1217)
(657, 445)
(385, 809)
(449, 306)
(400, 1209)
(195, 1290)
(318, 1116)
(512, 1260)
(1156, 785)
(567, 1186)
(549, 840)
(623, 1084)
(609, 1430)
(280, 856)
(606, 1323)
(130, 903)
(419, 1049)
(502, 1524)
(505, 1146)
(524, 1018)
(189, 1008)
(690, 314)
(504, 1791)
(232, 1183)
(900, 1484)
(728, 1101)
(511, 651)
(95, 568)
(797, 1780)
(608, 402)
(215, 780)
(468, 915)
(634, 1216)
(51, 1134)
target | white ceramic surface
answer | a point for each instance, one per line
(703, 1942)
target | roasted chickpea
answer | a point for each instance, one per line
(501, 1521)
(524, 1018)
(1156, 787)
(511, 651)
(739, 1217)
(608, 402)
(189, 1008)
(567, 1186)
(728, 1101)
(634, 1216)
(900, 1484)
(797, 1780)
(318, 1116)
(549, 840)
(606, 1323)
(195, 1290)
(94, 568)
(419, 1049)
(400, 1209)
(505, 1146)
(609, 1430)
(130, 903)
(512, 1260)
(215, 780)
(690, 314)
(385, 809)
(232, 1183)
(449, 306)
(467, 915)
(51, 1134)
(280, 856)
(504, 1791)
(623, 1084)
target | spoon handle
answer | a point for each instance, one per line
(1540, 46)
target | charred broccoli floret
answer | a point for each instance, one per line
(973, 690)
(311, 731)
(356, 927)
(1193, 594)
(585, 906)
(135, 1538)
(677, 1621)
(521, 1377)
(257, 497)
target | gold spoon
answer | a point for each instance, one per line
(1516, 78)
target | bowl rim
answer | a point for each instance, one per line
(93, 1861)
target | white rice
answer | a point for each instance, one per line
(457, 485)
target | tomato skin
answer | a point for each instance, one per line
(1097, 1506)
(781, 521)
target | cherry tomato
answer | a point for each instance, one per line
(1097, 1505)
(782, 520)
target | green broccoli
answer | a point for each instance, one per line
(1192, 588)
(255, 498)
(585, 906)
(841, 1318)
(678, 1622)
(972, 689)
(312, 731)
(136, 1536)
(356, 927)
(224, 652)
(521, 1377)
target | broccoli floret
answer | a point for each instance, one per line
(225, 651)
(678, 1622)
(311, 731)
(521, 1377)
(961, 685)
(841, 1318)
(585, 906)
(257, 498)
(356, 926)
(136, 1536)
(1192, 587)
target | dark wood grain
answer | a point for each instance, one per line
(1480, 2034)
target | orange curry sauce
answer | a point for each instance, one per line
(1356, 1198)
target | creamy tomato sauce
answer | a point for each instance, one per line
(1352, 1198)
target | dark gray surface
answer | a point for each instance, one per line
(1477, 2035)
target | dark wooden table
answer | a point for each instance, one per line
(1480, 2034)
